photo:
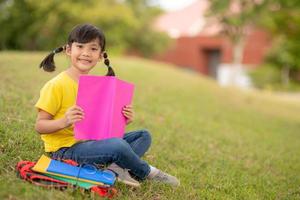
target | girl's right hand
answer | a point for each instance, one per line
(73, 114)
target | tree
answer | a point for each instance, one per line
(283, 25)
(236, 18)
(44, 25)
(146, 40)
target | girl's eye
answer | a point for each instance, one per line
(79, 46)
(95, 49)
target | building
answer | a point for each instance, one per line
(199, 46)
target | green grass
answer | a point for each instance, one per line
(221, 143)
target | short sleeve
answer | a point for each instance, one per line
(50, 98)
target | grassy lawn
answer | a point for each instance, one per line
(221, 143)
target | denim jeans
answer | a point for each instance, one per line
(124, 152)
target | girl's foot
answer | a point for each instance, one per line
(160, 176)
(123, 175)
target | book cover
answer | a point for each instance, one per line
(102, 99)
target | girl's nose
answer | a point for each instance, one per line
(85, 53)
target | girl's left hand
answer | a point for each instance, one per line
(128, 113)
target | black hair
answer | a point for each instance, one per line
(82, 33)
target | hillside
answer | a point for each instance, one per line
(221, 143)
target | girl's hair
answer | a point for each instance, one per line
(82, 33)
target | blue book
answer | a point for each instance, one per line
(86, 173)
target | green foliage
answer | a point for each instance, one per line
(221, 143)
(49, 22)
(269, 77)
(149, 42)
(286, 36)
(285, 52)
(265, 76)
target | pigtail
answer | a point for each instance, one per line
(106, 62)
(48, 63)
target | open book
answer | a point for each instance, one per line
(102, 99)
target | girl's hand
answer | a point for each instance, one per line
(128, 113)
(73, 114)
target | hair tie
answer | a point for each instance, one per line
(104, 54)
(57, 50)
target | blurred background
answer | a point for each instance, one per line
(217, 85)
(246, 43)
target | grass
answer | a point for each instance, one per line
(221, 143)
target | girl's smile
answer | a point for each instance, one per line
(84, 61)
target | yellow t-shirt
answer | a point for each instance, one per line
(56, 97)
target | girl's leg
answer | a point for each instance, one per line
(139, 141)
(114, 150)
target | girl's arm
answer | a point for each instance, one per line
(45, 123)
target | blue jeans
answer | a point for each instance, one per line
(124, 152)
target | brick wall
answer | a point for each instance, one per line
(190, 52)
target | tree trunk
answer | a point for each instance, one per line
(285, 75)
(238, 50)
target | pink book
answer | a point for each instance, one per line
(102, 99)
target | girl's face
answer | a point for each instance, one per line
(84, 56)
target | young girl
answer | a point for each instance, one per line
(57, 113)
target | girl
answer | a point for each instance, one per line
(57, 113)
